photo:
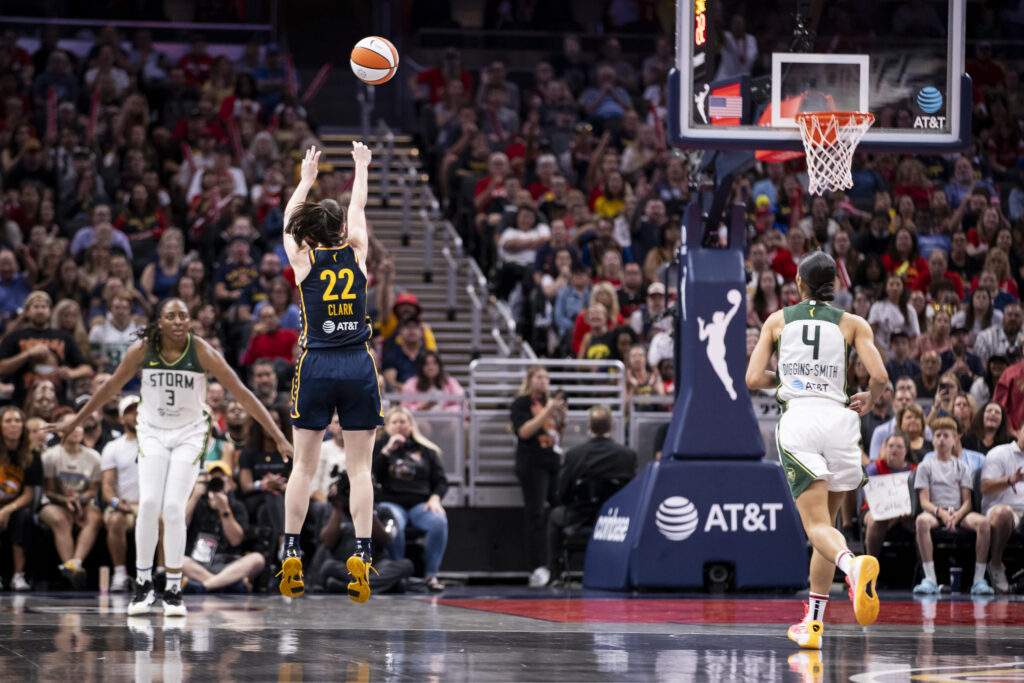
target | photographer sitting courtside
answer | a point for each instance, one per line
(599, 460)
(217, 526)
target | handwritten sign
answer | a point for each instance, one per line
(888, 495)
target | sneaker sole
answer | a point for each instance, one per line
(178, 611)
(814, 633)
(291, 585)
(358, 590)
(136, 611)
(865, 599)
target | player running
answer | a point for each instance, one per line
(336, 371)
(173, 428)
(818, 434)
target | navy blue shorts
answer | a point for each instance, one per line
(343, 380)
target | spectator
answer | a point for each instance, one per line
(786, 260)
(332, 462)
(217, 528)
(571, 65)
(196, 64)
(903, 257)
(159, 277)
(406, 305)
(606, 103)
(640, 379)
(143, 222)
(644, 317)
(58, 75)
(571, 300)
(988, 281)
(1002, 502)
(944, 485)
(263, 475)
(495, 76)
(430, 83)
(264, 385)
(36, 349)
(893, 460)
(964, 364)
(963, 182)
(120, 488)
(984, 387)
(279, 299)
(408, 469)
(1004, 339)
(21, 475)
(14, 286)
(537, 420)
(739, 50)
(938, 267)
(599, 465)
(820, 226)
(891, 312)
(664, 253)
(938, 338)
(901, 364)
(601, 293)
(432, 380)
(631, 294)
(269, 340)
(27, 174)
(400, 361)
(990, 428)
(910, 421)
(237, 271)
(71, 481)
(928, 381)
(902, 397)
(109, 339)
(880, 413)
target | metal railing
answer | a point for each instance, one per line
(493, 384)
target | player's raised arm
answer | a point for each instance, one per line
(357, 233)
(310, 165)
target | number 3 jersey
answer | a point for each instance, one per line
(333, 299)
(173, 394)
(812, 353)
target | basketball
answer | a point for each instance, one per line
(374, 60)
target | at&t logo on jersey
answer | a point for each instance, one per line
(328, 326)
(677, 518)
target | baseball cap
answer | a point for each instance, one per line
(126, 403)
(898, 332)
(958, 327)
(410, 299)
(218, 465)
(656, 288)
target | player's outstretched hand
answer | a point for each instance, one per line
(861, 403)
(361, 153)
(284, 447)
(310, 165)
(56, 428)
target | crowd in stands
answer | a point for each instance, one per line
(563, 185)
(127, 177)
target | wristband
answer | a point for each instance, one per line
(256, 485)
(226, 514)
(114, 502)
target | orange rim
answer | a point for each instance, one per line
(825, 134)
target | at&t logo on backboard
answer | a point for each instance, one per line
(929, 100)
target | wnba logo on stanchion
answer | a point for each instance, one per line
(676, 518)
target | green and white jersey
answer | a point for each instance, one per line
(812, 353)
(173, 394)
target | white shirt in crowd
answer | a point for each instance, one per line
(73, 473)
(527, 256)
(944, 479)
(1001, 462)
(886, 318)
(332, 463)
(111, 343)
(122, 454)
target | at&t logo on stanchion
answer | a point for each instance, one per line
(676, 518)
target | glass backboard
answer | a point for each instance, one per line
(744, 69)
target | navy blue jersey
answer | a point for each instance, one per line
(333, 299)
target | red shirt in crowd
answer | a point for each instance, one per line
(1007, 285)
(908, 270)
(1009, 394)
(196, 67)
(434, 79)
(277, 344)
(784, 265)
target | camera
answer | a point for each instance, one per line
(215, 485)
(339, 491)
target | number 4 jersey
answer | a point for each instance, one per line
(334, 300)
(173, 394)
(812, 353)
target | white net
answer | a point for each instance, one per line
(830, 139)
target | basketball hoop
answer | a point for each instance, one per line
(830, 139)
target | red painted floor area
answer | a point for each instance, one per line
(641, 611)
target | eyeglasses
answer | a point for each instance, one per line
(947, 387)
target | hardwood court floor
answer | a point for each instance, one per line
(505, 634)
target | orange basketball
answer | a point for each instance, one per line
(374, 60)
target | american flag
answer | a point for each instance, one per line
(725, 106)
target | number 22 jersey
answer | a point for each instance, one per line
(333, 298)
(812, 353)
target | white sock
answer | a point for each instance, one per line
(143, 575)
(173, 581)
(18, 575)
(843, 560)
(817, 604)
(120, 571)
(979, 571)
(929, 572)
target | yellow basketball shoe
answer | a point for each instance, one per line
(360, 566)
(864, 575)
(808, 632)
(291, 585)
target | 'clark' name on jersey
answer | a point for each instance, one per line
(171, 379)
(340, 309)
